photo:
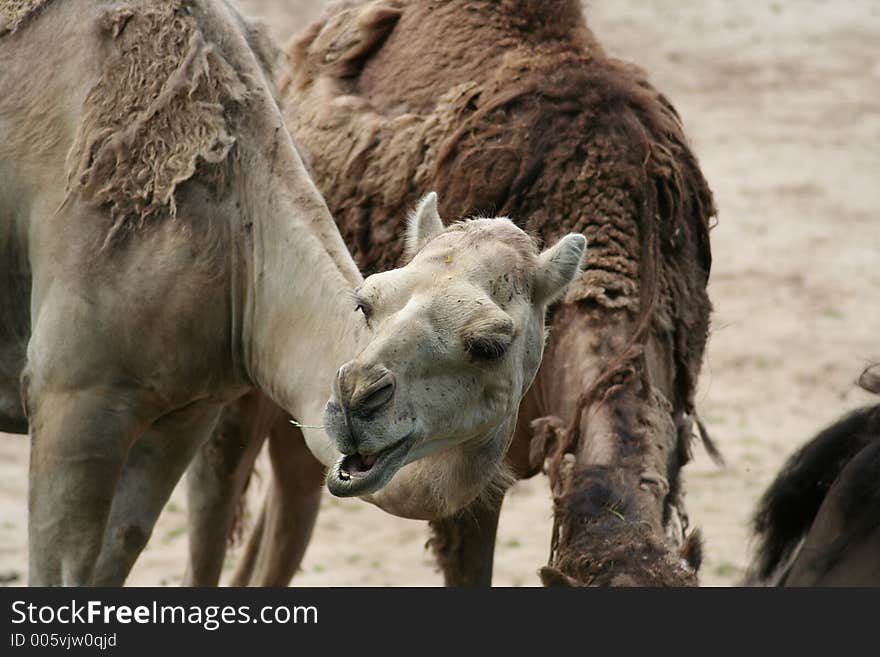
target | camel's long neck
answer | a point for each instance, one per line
(299, 323)
(617, 494)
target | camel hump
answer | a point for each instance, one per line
(159, 114)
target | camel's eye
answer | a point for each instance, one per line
(488, 338)
(487, 348)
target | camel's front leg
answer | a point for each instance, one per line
(79, 441)
(465, 544)
(155, 464)
(278, 543)
(216, 481)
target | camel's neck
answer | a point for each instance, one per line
(299, 323)
(618, 493)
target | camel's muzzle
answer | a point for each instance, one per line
(361, 474)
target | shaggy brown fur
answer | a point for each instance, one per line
(513, 108)
(148, 128)
(562, 140)
(607, 556)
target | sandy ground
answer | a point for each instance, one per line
(782, 103)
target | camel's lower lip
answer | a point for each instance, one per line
(355, 474)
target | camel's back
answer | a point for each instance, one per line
(535, 121)
(439, 44)
(524, 115)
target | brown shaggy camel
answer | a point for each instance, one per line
(818, 524)
(511, 106)
(165, 252)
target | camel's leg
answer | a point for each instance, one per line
(155, 464)
(248, 562)
(79, 441)
(276, 548)
(465, 544)
(216, 481)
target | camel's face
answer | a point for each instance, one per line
(424, 414)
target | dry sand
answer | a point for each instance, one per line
(782, 103)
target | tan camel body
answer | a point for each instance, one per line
(164, 252)
(511, 106)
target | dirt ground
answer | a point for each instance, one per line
(782, 103)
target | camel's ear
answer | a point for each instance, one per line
(558, 266)
(423, 224)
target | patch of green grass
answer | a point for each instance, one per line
(713, 418)
(617, 514)
(833, 313)
(762, 363)
(173, 533)
(726, 569)
(752, 459)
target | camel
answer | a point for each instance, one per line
(818, 523)
(166, 252)
(509, 106)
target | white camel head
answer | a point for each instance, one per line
(424, 414)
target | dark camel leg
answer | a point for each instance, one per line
(464, 545)
(278, 543)
(246, 566)
(155, 464)
(216, 481)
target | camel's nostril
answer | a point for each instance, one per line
(375, 395)
(343, 386)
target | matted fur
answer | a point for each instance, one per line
(160, 112)
(512, 108)
(15, 13)
(568, 141)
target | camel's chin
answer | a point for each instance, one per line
(355, 475)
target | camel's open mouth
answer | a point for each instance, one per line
(362, 474)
